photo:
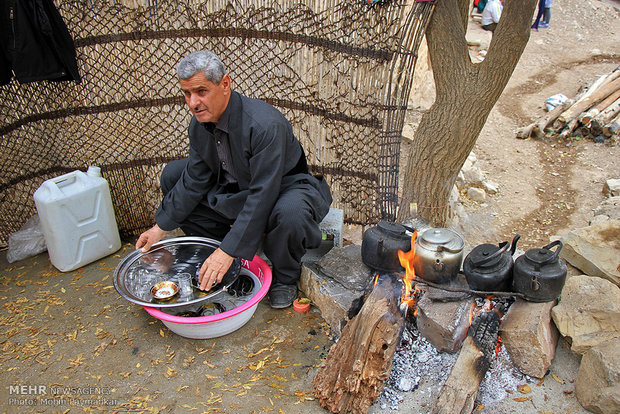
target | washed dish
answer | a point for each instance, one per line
(136, 274)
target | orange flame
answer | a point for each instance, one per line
(406, 261)
(498, 345)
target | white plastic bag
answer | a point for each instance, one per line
(27, 241)
(554, 101)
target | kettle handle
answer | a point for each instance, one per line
(513, 248)
(555, 254)
(503, 247)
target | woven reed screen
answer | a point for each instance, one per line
(339, 71)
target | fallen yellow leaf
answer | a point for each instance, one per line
(522, 399)
(555, 377)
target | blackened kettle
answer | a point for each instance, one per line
(539, 274)
(488, 267)
(380, 246)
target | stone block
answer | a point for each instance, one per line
(612, 187)
(588, 312)
(345, 266)
(444, 324)
(609, 207)
(336, 303)
(530, 337)
(598, 380)
(476, 194)
(595, 250)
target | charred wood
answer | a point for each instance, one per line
(358, 365)
(459, 392)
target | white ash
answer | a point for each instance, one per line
(415, 360)
(501, 377)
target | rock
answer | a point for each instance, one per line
(472, 175)
(588, 312)
(408, 132)
(444, 324)
(595, 250)
(476, 194)
(530, 337)
(612, 187)
(598, 219)
(490, 187)
(609, 207)
(598, 380)
(337, 303)
(345, 266)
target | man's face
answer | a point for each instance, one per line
(205, 99)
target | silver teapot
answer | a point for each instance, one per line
(438, 255)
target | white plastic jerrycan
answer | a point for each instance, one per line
(77, 218)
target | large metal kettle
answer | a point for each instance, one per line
(488, 267)
(380, 246)
(539, 274)
(438, 255)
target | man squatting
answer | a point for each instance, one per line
(246, 179)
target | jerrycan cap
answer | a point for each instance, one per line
(93, 171)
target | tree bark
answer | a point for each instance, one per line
(357, 366)
(465, 94)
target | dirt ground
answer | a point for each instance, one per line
(73, 331)
(547, 188)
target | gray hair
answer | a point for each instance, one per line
(202, 61)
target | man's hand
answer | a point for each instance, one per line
(213, 269)
(150, 237)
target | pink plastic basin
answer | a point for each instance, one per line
(212, 326)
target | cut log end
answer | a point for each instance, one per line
(358, 365)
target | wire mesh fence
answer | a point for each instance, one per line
(340, 72)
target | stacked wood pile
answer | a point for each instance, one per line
(594, 113)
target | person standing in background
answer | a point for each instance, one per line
(546, 17)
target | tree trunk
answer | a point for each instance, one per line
(466, 93)
(357, 366)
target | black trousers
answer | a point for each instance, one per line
(293, 224)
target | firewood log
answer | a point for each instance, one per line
(541, 126)
(613, 127)
(358, 365)
(459, 392)
(568, 129)
(586, 117)
(609, 113)
(585, 103)
(537, 129)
